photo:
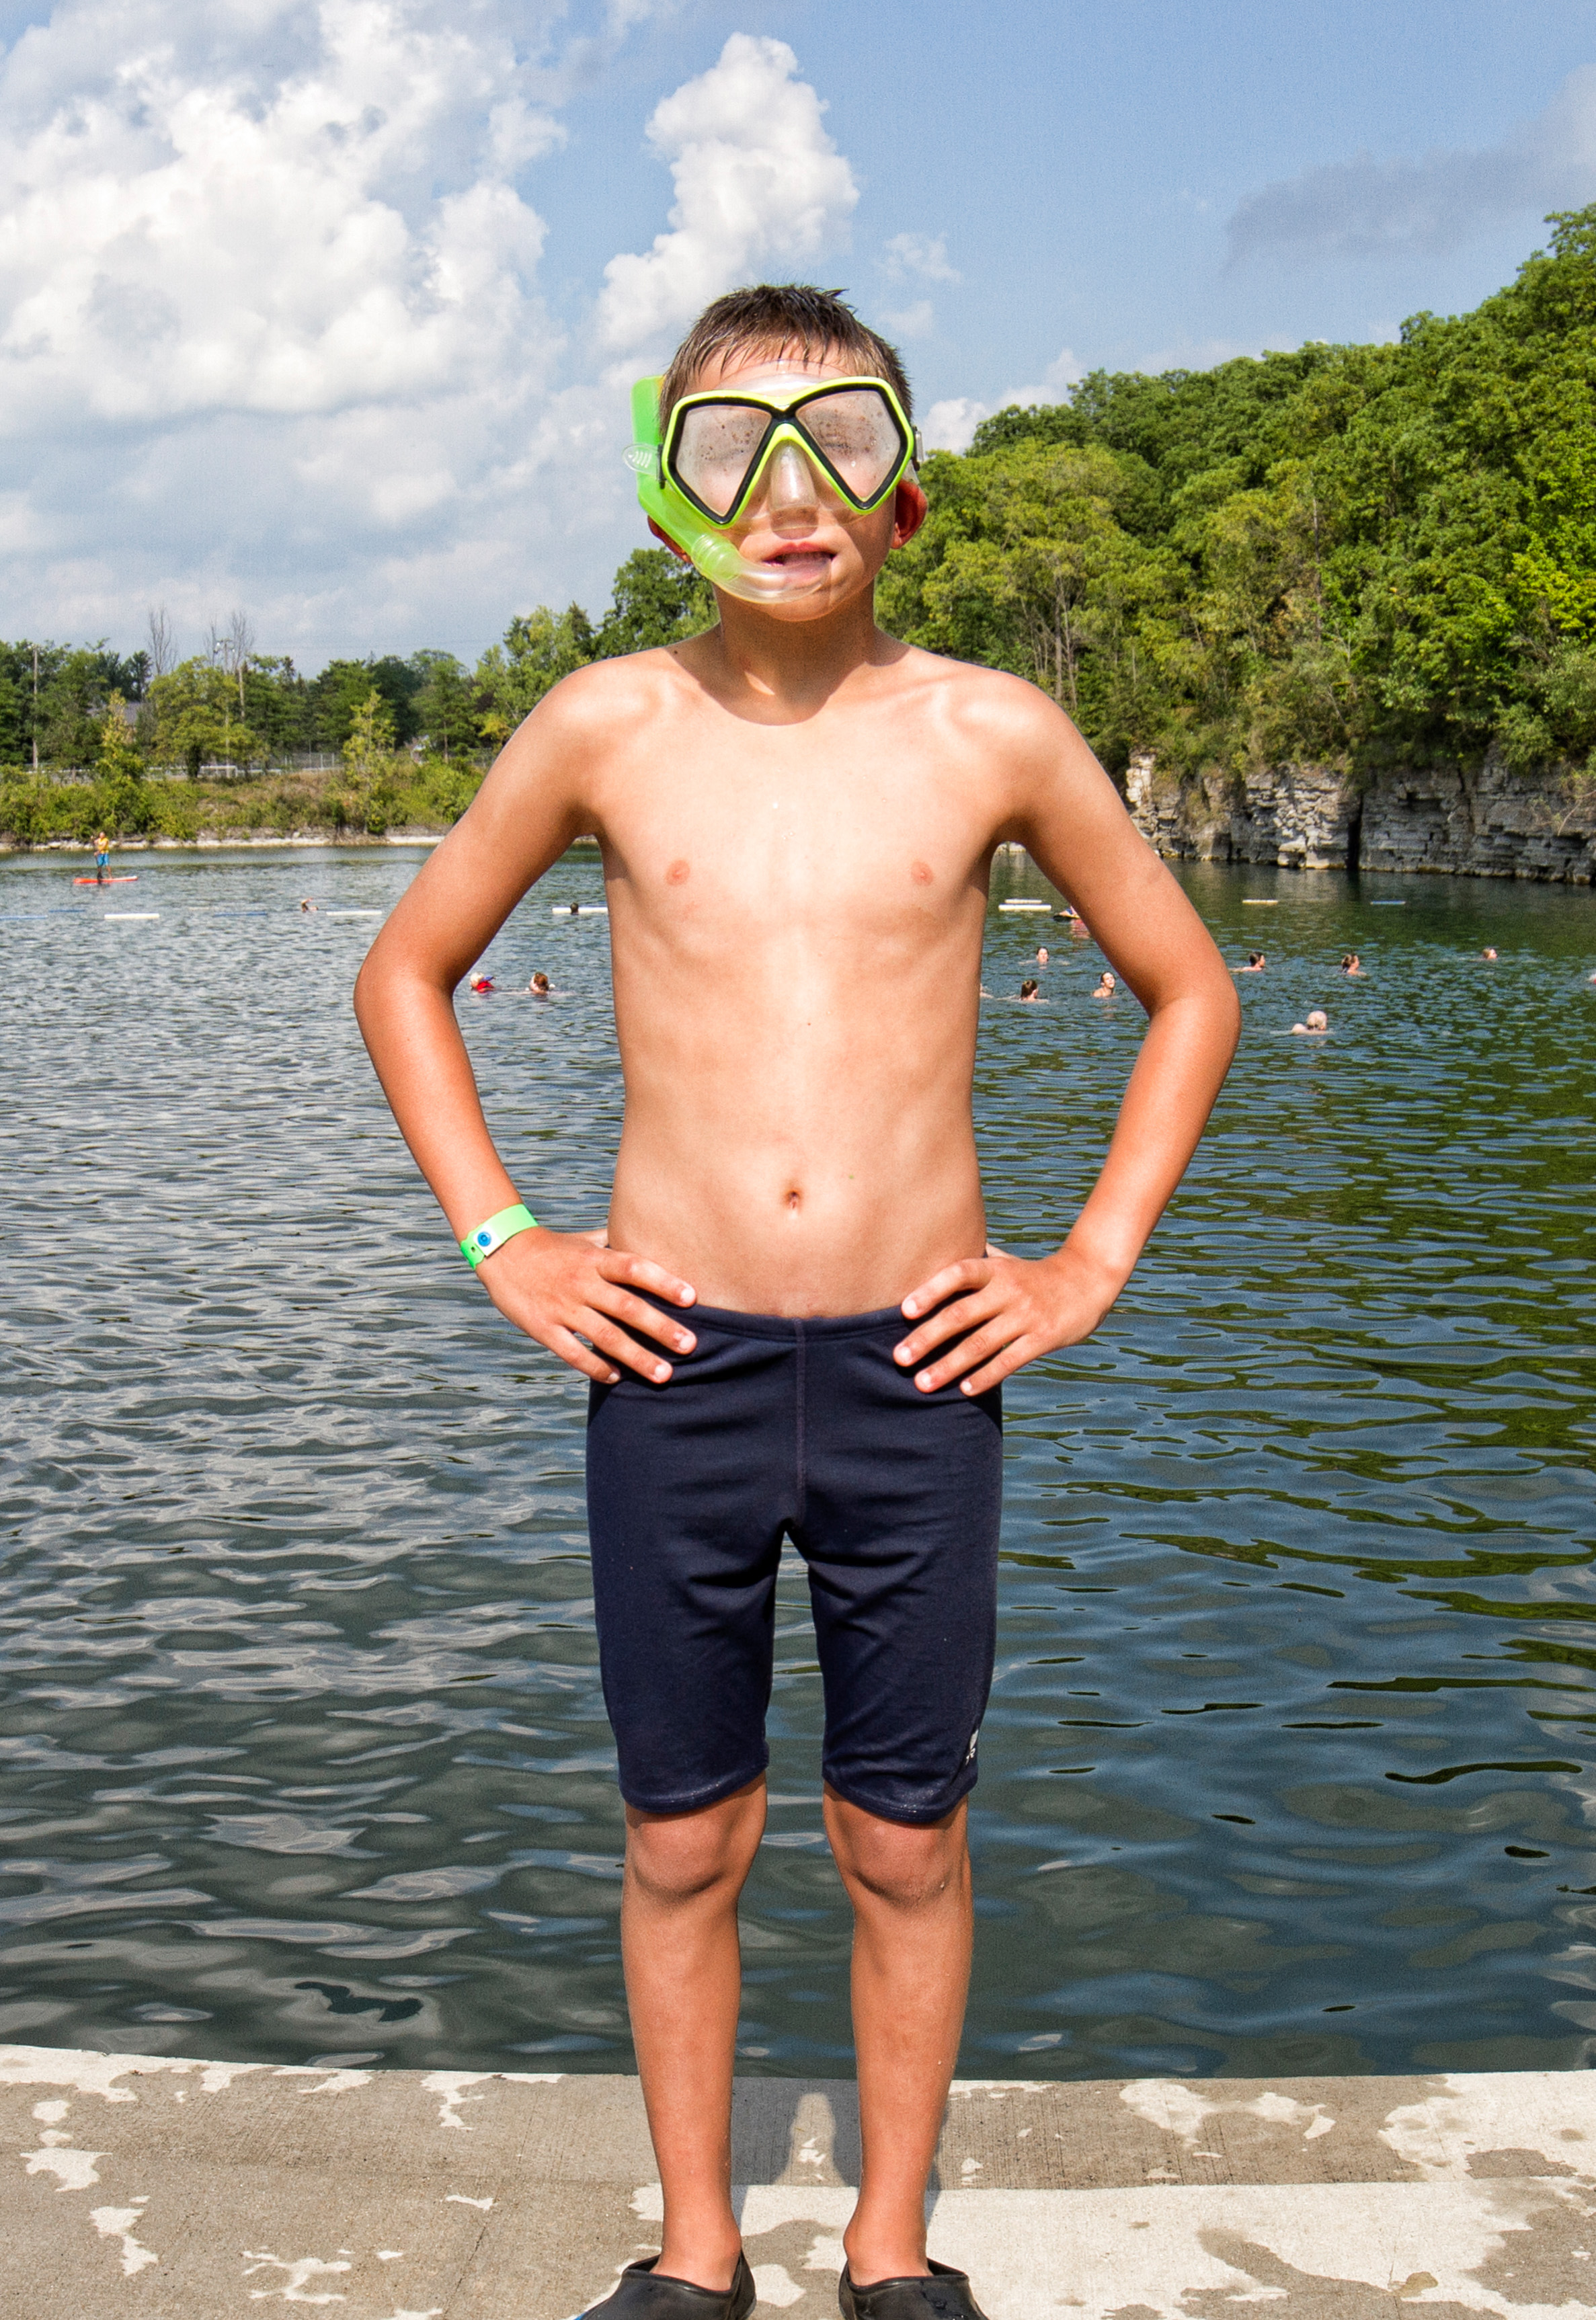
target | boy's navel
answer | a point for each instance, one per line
(921, 872)
(678, 873)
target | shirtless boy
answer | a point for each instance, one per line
(792, 1322)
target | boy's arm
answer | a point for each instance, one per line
(559, 1287)
(1069, 817)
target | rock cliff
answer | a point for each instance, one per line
(1481, 821)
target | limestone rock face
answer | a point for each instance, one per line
(1481, 821)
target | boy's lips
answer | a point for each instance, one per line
(804, 561)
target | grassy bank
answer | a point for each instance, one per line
(430, 796)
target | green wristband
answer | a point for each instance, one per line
(496, 1233)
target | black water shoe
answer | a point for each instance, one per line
(644, 2294)
(945, 2295)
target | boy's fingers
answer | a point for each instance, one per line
(636, 1315)
(642, 1273)
(1001, 1330)
(572, 1350)
(1013, 1357)
(969, 1272)
(619, 1347)
(969, 1310)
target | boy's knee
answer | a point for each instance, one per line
(906, 1867)
(681, 1856)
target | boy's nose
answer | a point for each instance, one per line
(791, 483)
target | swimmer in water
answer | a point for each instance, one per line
(308, 905)
(1042, 957)
(1350, 963)
(1255, 963)
(1106, 986)
(1029, 989)
(539, 986)
(1318, 1022)
(482, 984)
(1490, 953)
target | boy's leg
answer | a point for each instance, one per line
(912, 1928)
(684, 1986)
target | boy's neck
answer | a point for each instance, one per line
(776, 671)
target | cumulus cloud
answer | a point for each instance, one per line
(271, 330)
(181, 234)
(920, 254)
(951, 426)
(1367, 207)
(759, 181)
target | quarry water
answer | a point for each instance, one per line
(1291, 1763)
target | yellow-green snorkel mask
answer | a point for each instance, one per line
(852, 437)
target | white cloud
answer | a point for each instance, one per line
(951, 426)
(176, 238)
(920, 253)
(271, 330)
(1368, 208)
(916, 321)
(758, 180)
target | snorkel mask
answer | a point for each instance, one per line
(845, 443)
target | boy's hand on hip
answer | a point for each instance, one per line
(563, 1287)
(1012, 1310)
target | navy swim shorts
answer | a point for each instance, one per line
(809, 1430)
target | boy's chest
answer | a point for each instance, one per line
(843, 832)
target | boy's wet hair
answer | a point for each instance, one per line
(780, 318)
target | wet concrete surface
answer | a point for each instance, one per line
(146, 2188)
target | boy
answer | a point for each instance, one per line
(793, 1323)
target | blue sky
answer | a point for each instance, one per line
(324, 309)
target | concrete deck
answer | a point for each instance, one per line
(140, 2188)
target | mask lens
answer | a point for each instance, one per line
(856, 430)
(714, 449)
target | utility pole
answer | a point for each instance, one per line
(35, 713)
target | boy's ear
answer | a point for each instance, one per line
(666, 540)
(908, 511)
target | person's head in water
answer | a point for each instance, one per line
(539, 986)
(1256, 962)
(1318, 1022)
(482, 984)
(1030, 988)
(1042, 956)
(1351, 964)
(1106, 986)
(1489, 952)
(785, 447)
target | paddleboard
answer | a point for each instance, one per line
(1027, 906)
(128, 878)
(133, 914)
(344, 915)
(582, 911)
(1261, 901)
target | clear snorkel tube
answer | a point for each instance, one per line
(710, 548)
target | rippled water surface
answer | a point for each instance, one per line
(1292, 1758)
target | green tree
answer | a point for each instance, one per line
(446, 704)
(197, 722)
(539, 647)
(655, 599)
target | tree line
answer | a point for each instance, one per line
(231, 708)
(1348, 555)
